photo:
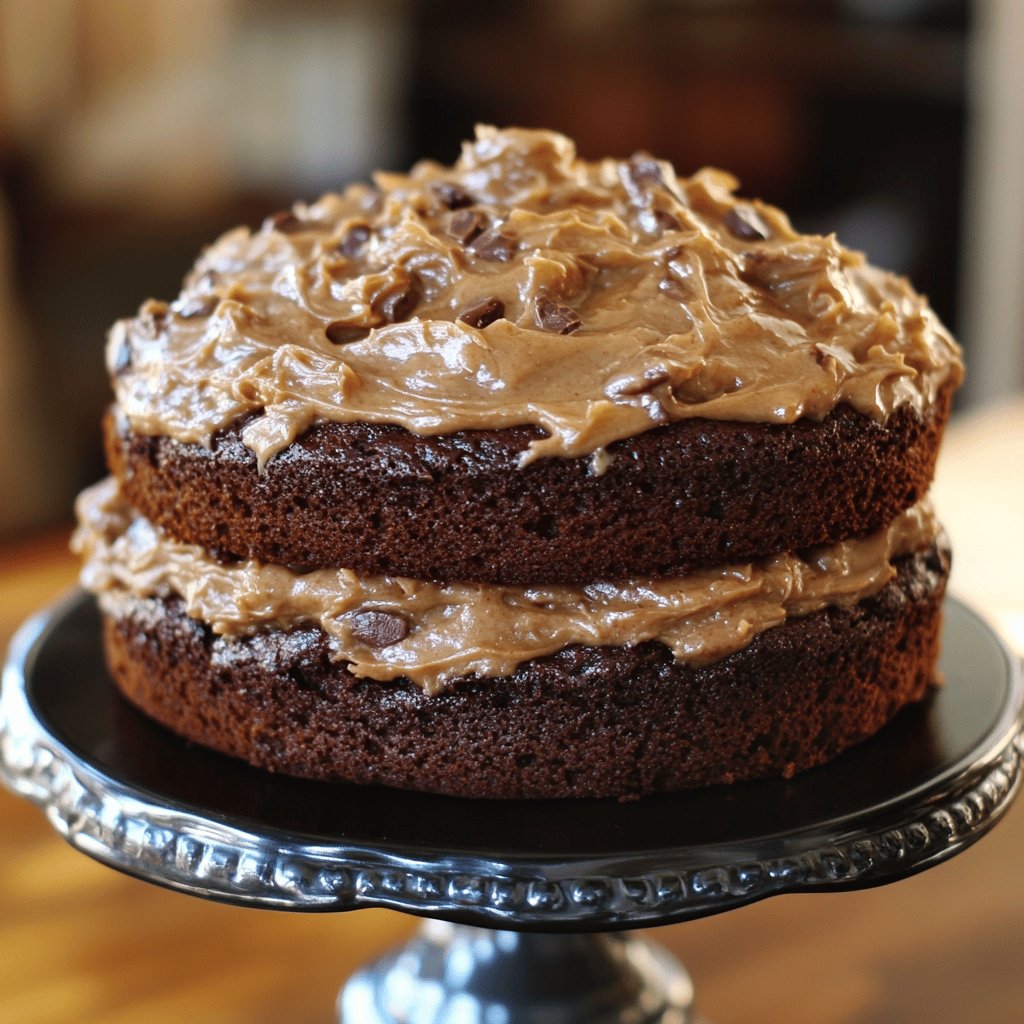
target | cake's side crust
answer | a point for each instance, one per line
(584, 722)
(382, 501)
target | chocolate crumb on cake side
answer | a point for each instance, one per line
(620, 721)
(380, 500)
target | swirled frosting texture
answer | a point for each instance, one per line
(390, 627)
(524, 285)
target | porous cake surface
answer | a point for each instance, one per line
(380, 500)
(587, 721)
(433, 633)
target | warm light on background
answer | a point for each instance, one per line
(131, 134)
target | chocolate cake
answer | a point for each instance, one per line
(525, 477)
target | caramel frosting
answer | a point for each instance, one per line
(526, 286)
(431, 633)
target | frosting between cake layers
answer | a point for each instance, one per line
(523, 285)
(431, 633)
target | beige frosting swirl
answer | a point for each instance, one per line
(430, 632)
(523, 285)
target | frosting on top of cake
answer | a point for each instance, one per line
(523, 285)
(430, 633)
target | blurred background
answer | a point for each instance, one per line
(131, 133)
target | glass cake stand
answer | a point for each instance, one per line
(525, 900)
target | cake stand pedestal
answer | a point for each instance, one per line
(524, 898)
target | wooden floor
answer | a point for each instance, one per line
(81, 943)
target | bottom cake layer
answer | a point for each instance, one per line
(587, 721)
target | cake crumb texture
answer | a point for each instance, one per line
(382, 501)
(621, 721)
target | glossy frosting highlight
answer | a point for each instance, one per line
(431, 633)
(524, 285)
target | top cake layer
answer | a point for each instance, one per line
(525, 286)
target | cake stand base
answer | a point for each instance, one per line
(518, 892)
(450, 974)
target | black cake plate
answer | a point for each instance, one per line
(493, 874)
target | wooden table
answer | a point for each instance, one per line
(80, 942)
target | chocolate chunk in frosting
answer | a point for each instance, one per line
(746, 224)
(665, 220)
(742, 336)
(344, 332)
(397, 303)
(494, 244)
(558, 319)
(355, 238)
(641, 173)
(452, 195)
(377, 629)
(484, 313)
(465, 225)
(285, 221)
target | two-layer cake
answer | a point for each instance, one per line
(525, 477)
